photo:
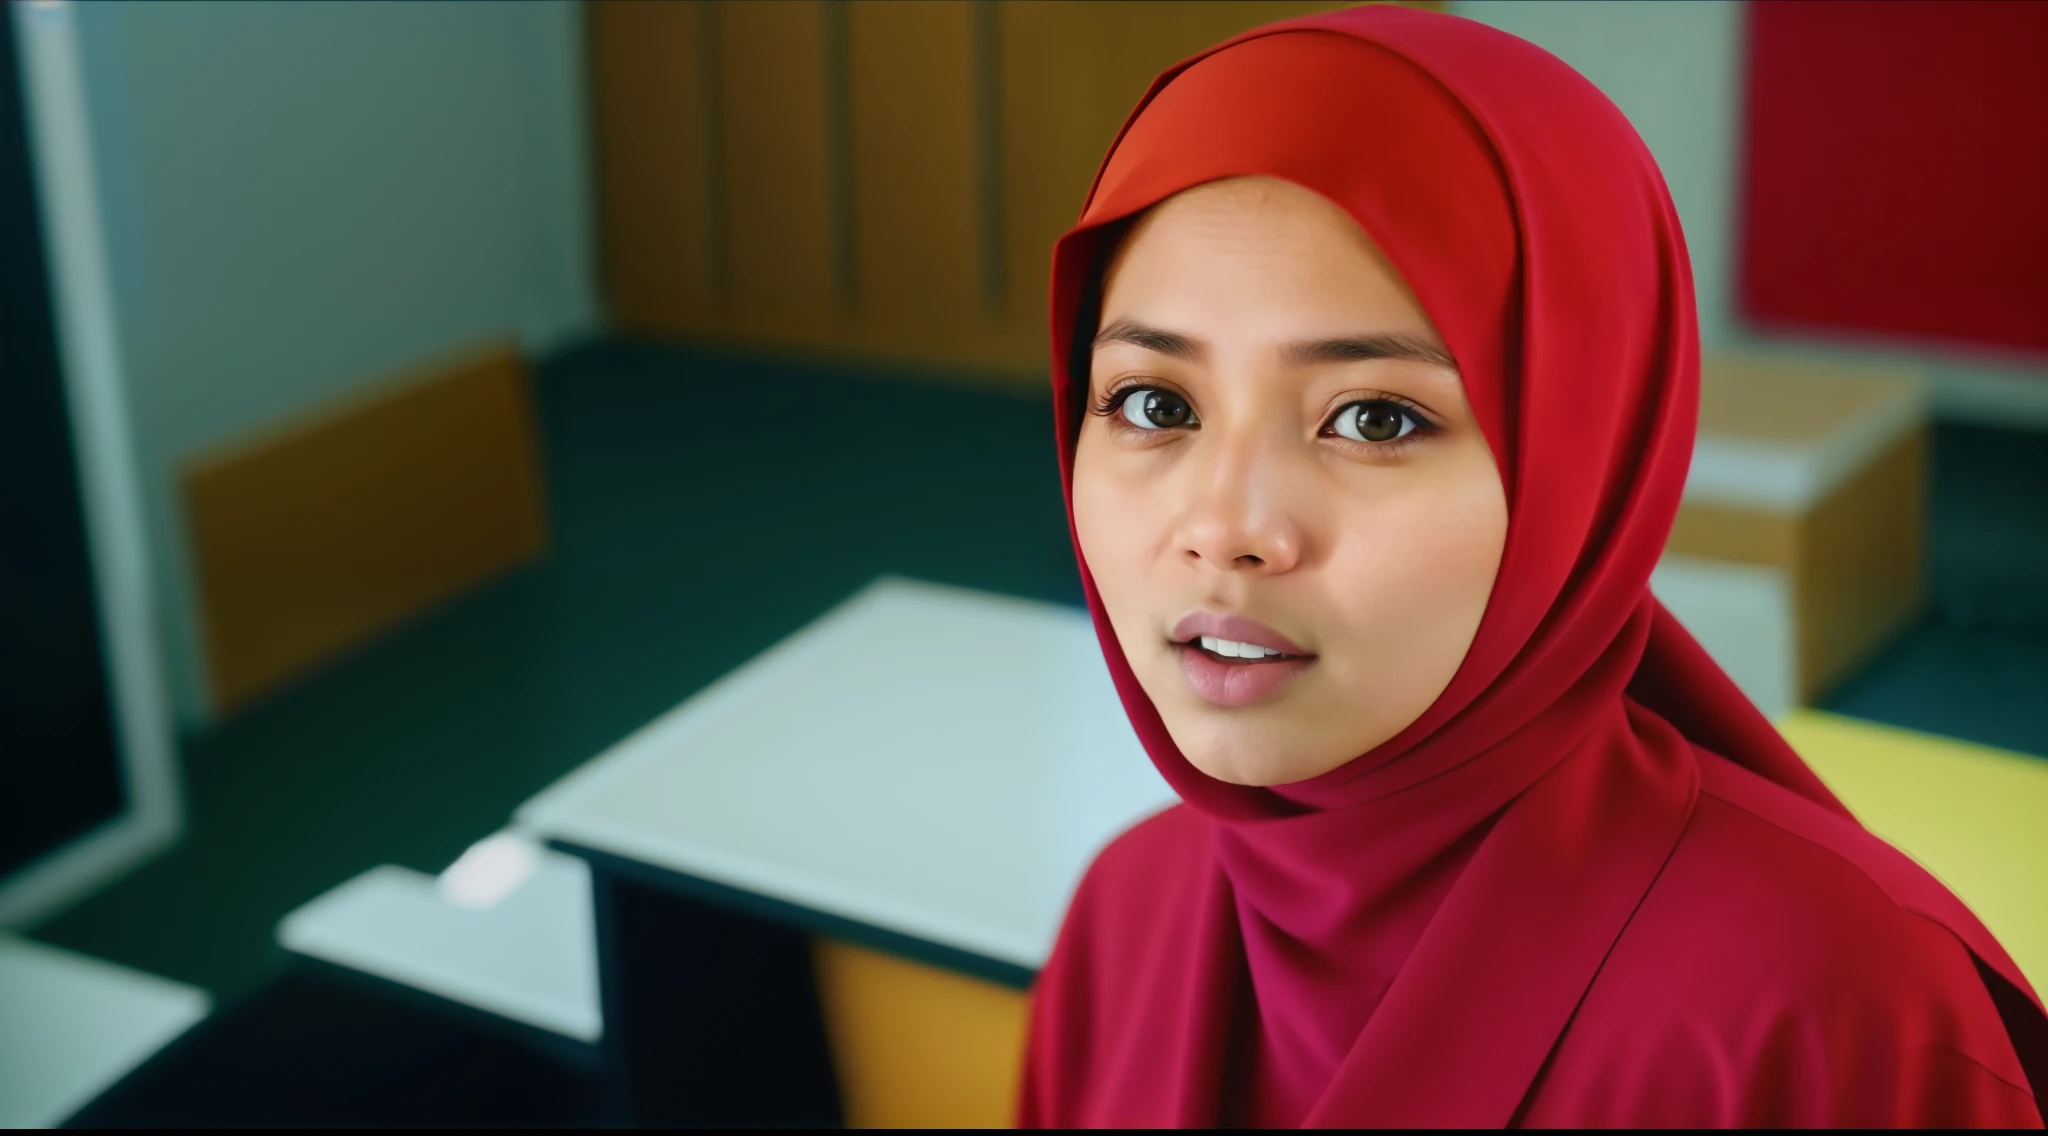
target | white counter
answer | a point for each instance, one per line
(932, 762)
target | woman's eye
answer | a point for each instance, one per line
(1149, 408)
(1375, 421)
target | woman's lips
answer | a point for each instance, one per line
(1222, 681)
(1237, 628)
(1238, 682)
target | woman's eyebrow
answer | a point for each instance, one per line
(1343, 349)
(1363, 348)
(1183, 347)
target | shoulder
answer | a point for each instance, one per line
(1795, 960)
(1102, 986)
(1846, 914)
(1158, 842)
(1144, 870)
(1804, 910)
(1832, 900)
(1142, 891)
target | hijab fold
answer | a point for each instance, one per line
(1403, 940)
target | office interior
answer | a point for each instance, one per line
(427, 428)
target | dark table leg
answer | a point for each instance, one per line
(711, 1016)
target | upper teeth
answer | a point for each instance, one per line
(1235, 649)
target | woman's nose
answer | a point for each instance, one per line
(1241, 511)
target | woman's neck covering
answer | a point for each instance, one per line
(1534, 228)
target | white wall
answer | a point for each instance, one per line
(1675, 68)
(299, 198)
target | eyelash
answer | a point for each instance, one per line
(1110, 407)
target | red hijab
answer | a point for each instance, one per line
(1406, 939)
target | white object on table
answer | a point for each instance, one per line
(507, 929)
(71, 1026)
(931, 761)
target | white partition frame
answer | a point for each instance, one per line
(60, 148)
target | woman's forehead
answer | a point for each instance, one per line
(1254, 209)
(1260, 260)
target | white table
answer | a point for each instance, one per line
(528, 956)
(926, 770)
(71, 1026)
(929, 762)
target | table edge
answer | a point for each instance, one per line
(810, 919)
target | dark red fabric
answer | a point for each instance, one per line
(1548, 900)
(1895, 166)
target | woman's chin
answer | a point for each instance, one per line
(1250, 778)
(1259, 745)
(1257, 762)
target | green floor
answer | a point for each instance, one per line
(704, 507)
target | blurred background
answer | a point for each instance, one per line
(402, 403)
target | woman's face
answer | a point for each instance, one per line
(1280, 457)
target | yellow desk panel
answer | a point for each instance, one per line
(917, 1046)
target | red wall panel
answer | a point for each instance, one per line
(1896, 173)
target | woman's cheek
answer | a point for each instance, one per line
(1454, 568)
(1415, 576)
(1108, 520)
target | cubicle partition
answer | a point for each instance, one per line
(87, 786)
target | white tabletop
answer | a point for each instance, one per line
(71, 1026)
(933, 762)
(529, 956)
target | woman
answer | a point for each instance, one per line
(1380, 384)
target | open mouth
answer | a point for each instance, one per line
(1226, 673)
(1231, 651)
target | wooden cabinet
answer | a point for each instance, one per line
(1797, 555)
(870, 178)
